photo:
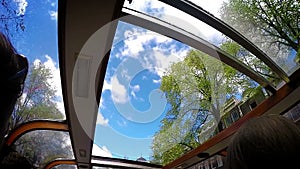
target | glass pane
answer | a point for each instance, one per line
(33, 32)
(162, 98)
(199, 29)
(271, 25)
(294, 114)
(43, 146)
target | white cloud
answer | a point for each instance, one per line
(101, 120)
(36, 62)
(133, 94)
(156, 60)
(135, 89)
(160, 62)
(101, 106)
(106, 86)
(156, 81)
(138, 40)
(123, 123)
(144, 78)
(101, 151)
(53, 15)
(124, 74)
(22, 4)
(118, 92)
(212, 6)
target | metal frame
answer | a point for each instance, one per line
(174, 32)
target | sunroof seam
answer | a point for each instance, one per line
(166, 29)
(199, 13)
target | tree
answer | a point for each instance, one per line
(250, 60)
(41, 147)
(12, 16)
(38, 102)
(38, 99)
(274, 25)
(196, 89)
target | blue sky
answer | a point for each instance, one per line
(40, 35)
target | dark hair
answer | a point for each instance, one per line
(13, 71)
(13, 67)
(8, 62)
(270, 141)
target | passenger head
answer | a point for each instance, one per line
(13, 71)
(10, 159)
(270, 141)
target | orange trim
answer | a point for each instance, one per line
(34, 125)
(60, 162)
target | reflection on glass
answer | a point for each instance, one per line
(65, 167)
(251, 61)
(184, 21)
(44, 146)
(175, 17)
(271, 25)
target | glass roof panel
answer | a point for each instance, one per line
(195, 27)
(33, 32)
(161, 97)
(271, 25)
(43, 146)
